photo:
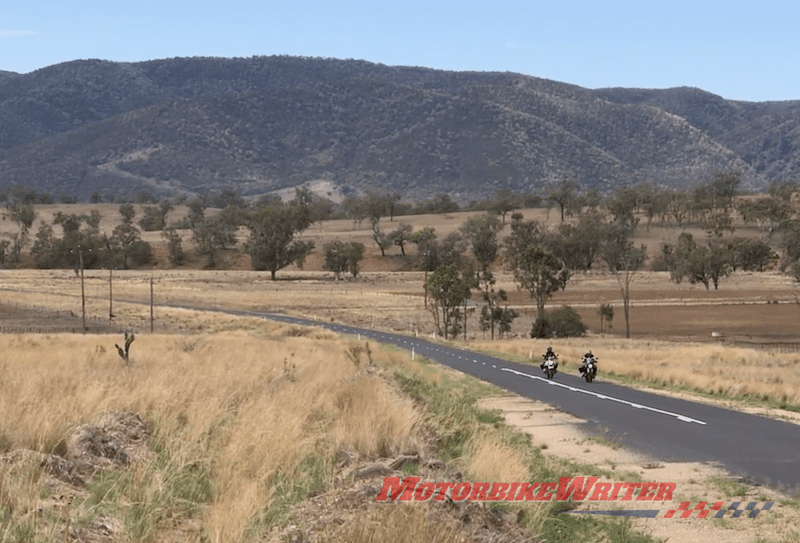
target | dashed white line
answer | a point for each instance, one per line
(678, 416)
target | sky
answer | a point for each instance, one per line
(739, 50)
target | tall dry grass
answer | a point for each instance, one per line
(401, 523)
(490, 459)
(247, 408)
(715, 369)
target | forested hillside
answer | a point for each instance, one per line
(184, 126)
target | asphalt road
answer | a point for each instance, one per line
(760, 449)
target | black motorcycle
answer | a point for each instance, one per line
(589, 369)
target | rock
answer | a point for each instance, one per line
(401, 461)
(373, 470)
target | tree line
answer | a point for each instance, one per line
(599, 234)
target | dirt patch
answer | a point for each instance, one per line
(566, 437)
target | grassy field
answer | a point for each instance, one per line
(232, 418)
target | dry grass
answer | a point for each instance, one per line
(403, 523)
(489, 459)
(249, 408)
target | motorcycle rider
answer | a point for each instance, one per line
(549, 354)
(586, 358)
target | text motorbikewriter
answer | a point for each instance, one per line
(567, 489)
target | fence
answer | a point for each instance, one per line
(93, 324)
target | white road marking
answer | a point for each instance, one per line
(678, 416)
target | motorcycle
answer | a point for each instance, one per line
(550, 367)
(589, 369)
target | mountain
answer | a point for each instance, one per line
(186, 126)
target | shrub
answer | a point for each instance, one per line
(562, 322)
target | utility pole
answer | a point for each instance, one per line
(83, 292)
(110, 295)
(425, 284)
(151, 305)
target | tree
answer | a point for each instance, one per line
(46, 251)
(228, 196)
(335, 258)
(174, 246)
(767, 213)
(383, 241)
(720, 261)
(678, 206)
(93, 220)
(724, 186)
(564, 193)
(401, 236)
(342, 257)
(441, 203)
(561, 322)
(448, 289)
(354, 209)
(523, 234)
(427, 249)
(272, 245)
(155, 217)
(492, 314)
(127, 244)
(700, 264)
(375, 207)
(606, 312)
(540, 272)
(213, 235)
(127, 211)
(504, 202)
(320, 210)
(504, 320)
(782, 190)
(481, 236)
(69, 223)
(752, 255)
(4, 245)
(623, 206)
(23, 215)
(623, 260)
(354, 254)
(578, 245)
(536, 268)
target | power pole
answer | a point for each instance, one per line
(83, 292)
(151, 305)
(110, 295)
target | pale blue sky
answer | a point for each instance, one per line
(739, 50)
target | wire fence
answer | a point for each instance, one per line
(94, 324)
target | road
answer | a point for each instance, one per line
(760, 449)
